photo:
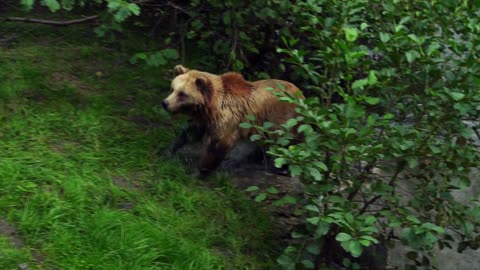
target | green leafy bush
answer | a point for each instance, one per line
(383, 164)
(240, 35)
(120, 9)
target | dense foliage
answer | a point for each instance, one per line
(390, 123)
(383, 165)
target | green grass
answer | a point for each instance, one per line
(10, 256)
(82, 179)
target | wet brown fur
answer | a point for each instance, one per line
(224, 103)
(235, 84)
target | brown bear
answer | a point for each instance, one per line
(219, 103)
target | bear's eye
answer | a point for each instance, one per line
(182, 95)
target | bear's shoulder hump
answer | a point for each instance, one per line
(235, 84)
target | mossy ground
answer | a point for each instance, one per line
(82, 177)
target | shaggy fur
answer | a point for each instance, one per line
(221, 103)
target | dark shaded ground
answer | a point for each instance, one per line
(11, 233)
(17, 241)
(246, 167)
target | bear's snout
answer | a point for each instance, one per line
(165, 104)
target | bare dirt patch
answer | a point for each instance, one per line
(127, 184)
(11, 233)
(62, 78)
(17, 241)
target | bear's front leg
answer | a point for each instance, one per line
(192, 131)
(213, 154)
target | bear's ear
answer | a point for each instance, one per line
(179, 70)
(204, 85)
(201, 82)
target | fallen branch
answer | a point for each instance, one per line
(50, 22)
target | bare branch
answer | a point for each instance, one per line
(51, 22)
(391, 183)
(165, 4)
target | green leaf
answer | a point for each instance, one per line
(272, 190)
(280, 86)
(291, 123)
(412, 162)
(286, 262)
(134, 9)
(335, 199)
(364, 242)
(133, 60)
(53, 5)
(295, 170)
(313, 249)
(28, 4)
(369, 238)
(413, 219)
(170, 53)
(252, 188)
(384, 37)
(142, 56)
(370, 220)
(370, 229)
(267, 125)
(238, 65)
(359, 84)
(351, 34)
(313, 220)
(261, 197)
(285, 200)
(435, 149)
(372, 100)
(414, 38)
(315, 174)
(226, 17)
(433, 227)
(250, 117)
(371, 120)
(469, 227)
(320, 165)
(457, 96)
(255, 137)
(308, 264)
(245, 125)
(121, 14)
(372, 78)
(307, 129)
(322, 229)
(355, 248)
(313, 208)
(296, 235)
(432, 48)
(388, 116)
(113, 5)
(279, 162)
(412, 55)
(343, 237)
(156, 60)
(269, 88)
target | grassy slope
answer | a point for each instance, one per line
(82, 180)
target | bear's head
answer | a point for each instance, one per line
(191, 90)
